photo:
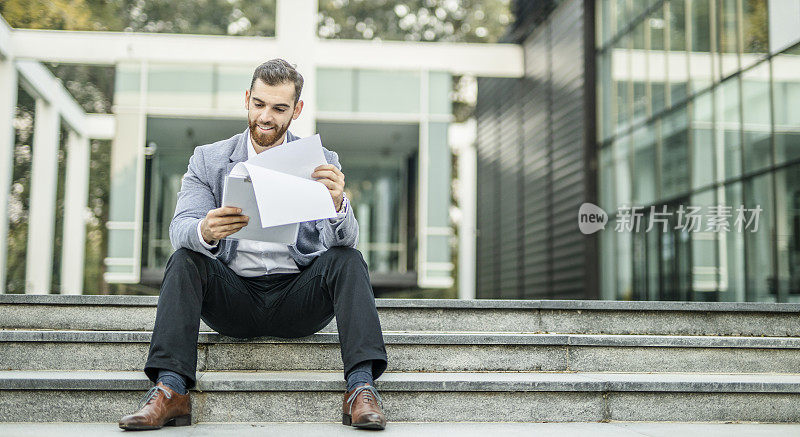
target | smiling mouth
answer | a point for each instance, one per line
(265, 129)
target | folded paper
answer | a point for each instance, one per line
(276, 186)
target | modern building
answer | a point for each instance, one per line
(644, 104)
(385, 107)
(535, 145)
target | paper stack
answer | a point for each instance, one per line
(275, 189)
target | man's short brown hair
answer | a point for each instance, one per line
(278, 71)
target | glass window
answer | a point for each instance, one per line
(728, 38)
(656, 27)
(728, 129)
(700, 62)
(230, 81)
(677, 59)
(761, 285)
(608, 265)
(607, 200)
(756, 116)
(644, 165)
(645, 263)
(624, 247)
(181, 86)
(786, 92)
(622, 171)
(622, 244)
(674, 154)
(642, 259)
(640, 101)
(374, 96)
(623, 15)
(787, 207)
(606, 90)
(677, 25)
(440, 85)
(637, 8)
(605, 22)
(375, 196)
(335, 89)
(671, 256)
(702, 141)
(621, 73)
(639, 72)
(755, 31)
(656, 60)
(705, 268)
(376, 161)
(731, 250)
(127, 80)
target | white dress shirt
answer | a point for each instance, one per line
(257, 258)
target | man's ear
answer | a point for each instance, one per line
(247, 99)
(297, 109)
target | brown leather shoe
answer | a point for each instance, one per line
(361, 407)
(160, 407)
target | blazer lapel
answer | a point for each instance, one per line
(239, 152)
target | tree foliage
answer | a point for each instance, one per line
(414, 20)
(204, 17)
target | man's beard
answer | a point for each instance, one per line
(267, 139)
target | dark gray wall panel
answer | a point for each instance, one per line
(532, 171)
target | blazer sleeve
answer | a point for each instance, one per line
(195, 199)
(340, 232)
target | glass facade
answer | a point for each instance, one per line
(392, 141)
(697, 119)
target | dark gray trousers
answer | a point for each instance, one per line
(280, 305)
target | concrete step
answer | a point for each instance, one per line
(86, 396)
(406, 429)
(137, 313)
(415, 351)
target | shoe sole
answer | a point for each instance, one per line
(175, 421)
(348, 420)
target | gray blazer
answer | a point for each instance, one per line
(201, 191)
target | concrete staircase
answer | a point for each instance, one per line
(79, 358)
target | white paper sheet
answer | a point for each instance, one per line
(238, 192)
(297, 158)
(280, 190)
(284, 199)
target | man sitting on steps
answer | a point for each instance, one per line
(248, 289)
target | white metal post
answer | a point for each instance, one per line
(296, 34)
(76, 197)
(467, 232)
(8, 104)
(41, 222)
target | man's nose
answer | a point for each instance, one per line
(265, 117)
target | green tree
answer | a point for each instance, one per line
(477, 21)
(19, 197)
(47, 14)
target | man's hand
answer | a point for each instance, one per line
(221, 222)
(332, 178)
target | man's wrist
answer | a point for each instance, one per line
(206, 244)
(341, 213)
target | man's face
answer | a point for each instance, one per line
(270, 111)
